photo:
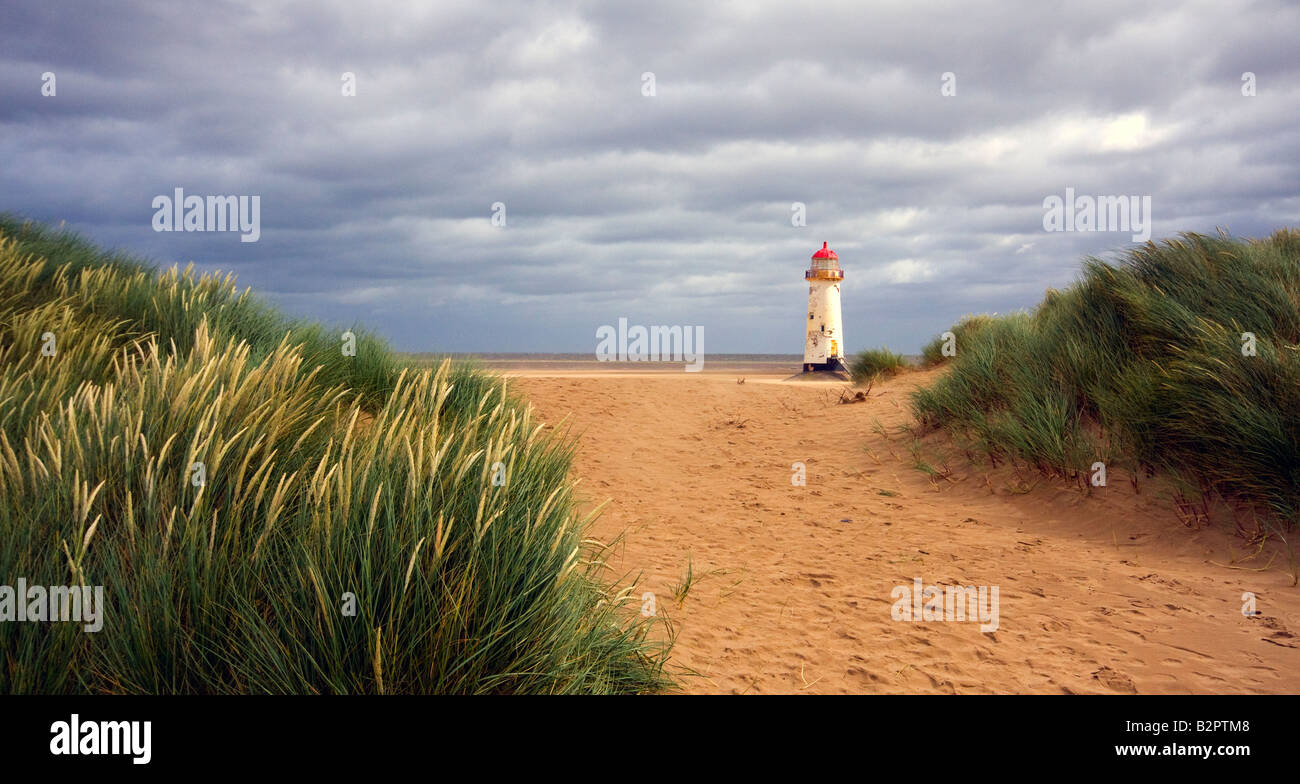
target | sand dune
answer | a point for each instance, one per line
(1099, 593)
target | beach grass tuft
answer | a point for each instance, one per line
(1181, 357)
(268, 515)
(876, 363)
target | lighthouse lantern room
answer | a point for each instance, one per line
(824, 343)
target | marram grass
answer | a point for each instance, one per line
(329, 483)
(875, 363)
(1183, 358)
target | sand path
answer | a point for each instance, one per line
(1097, 593)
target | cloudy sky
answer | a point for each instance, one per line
(666, 208)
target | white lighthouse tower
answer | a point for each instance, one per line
(823, 348)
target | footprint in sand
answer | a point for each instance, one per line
(1113, 679)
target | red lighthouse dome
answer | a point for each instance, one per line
(825, 265)
(826, 253)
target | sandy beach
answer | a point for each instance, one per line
(1101, 592)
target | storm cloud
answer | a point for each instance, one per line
(671, 208)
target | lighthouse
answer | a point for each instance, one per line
(823, 348)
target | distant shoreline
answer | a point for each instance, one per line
(590, 356)
(713, 363)
(785, 364)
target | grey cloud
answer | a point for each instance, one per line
(671, 209)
